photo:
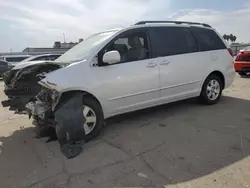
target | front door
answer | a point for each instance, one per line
(133, 83)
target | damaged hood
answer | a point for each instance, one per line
(30, 63)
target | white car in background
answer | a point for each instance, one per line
(122, 70)
(14, 58)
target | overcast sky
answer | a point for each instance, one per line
(38, 23)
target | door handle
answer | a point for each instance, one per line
(166, 62)
(150, 65)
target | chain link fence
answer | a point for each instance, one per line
(237, 47)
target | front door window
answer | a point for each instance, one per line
(131, 46)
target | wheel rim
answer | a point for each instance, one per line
(89, 119)
(213, 89)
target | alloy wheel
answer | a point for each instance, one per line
(213, 89)
(89, 119)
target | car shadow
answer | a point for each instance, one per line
(196, 139)
(180, 141)
(245, 76)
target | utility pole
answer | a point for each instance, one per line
(64, 38)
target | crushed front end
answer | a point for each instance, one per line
(54, 116)
(59, 120)
(21, 85)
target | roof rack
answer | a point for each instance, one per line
(176, 22)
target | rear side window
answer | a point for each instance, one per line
(15, 59)
(168, 41)
(208, 39)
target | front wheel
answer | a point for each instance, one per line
(211, 90)
(93, 117)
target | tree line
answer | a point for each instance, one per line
(230, 37)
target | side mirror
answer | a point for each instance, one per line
(111, 57)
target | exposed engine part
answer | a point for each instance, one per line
(40, 104)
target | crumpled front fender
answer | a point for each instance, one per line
(69, 125)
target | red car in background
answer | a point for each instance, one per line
(242, 62)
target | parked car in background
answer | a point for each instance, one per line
(14, 58)
(242, 62)
(5, 66)
(43, 57)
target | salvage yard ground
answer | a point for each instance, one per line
(178, 145)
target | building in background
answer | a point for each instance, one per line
(236, 47)
(58, 48)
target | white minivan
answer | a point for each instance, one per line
(123, 70)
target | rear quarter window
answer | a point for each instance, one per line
(15, 59)
(168, 41)
(208, 39)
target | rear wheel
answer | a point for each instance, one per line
(211, 90)
(242, 73)
(93, 118)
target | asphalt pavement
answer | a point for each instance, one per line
(179, 145)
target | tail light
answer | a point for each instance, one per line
(230, 51)
(238, 58)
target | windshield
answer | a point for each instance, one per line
(80, 51)
(28, 59)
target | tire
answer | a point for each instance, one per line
(97, 110)
(211, 96)
(242, 73)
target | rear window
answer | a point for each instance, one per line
(208, 39)
(168, 41)
(46, 58)
(243, 57)
(54, 57)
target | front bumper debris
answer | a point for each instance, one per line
(66, 120)
(6, 103)
(54, 116)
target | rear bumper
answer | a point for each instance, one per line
(242, 66)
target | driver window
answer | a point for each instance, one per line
(131, 47)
